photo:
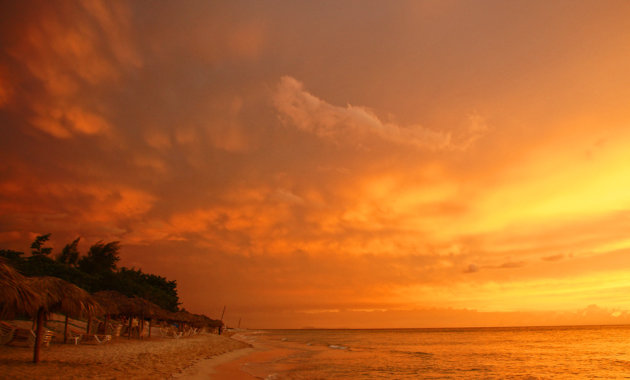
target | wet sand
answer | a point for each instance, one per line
(257, 362)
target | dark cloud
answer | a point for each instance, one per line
(472, 268)
(512, 264)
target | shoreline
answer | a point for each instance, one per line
(215, 367)
(258, 361)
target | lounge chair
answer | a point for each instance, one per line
(74, 335)
(88, 338)
(170, 333)
(6, 332)
(95, 338)
(58, 328)
(114, 329)
(28, 336)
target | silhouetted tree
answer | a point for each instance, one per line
(95, 271)
(101, 258)
(13, 257)
(70, 253)
(38, 249)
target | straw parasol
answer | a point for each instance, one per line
(16, 295)
(116, 303)
(61, 296)
(147, 310)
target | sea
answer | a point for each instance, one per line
(567, 352)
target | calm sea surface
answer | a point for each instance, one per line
(591, 352)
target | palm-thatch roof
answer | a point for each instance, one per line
(147, 308)
(61, 296)
(182, 316)
(16, 294)
(113, 302)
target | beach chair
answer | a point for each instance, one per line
(172, 333)
(114, 329)
(6, 332)
(73, 335)
(96, 338)
(28, 336)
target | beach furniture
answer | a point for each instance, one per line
(96, 338)
(170, 333)
(6, 332)
(72, 335)
(22, 335)
(78, 336)
(115, 329)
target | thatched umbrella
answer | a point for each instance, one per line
(113, 303)
(62, 296)
(183, 317)
(118, 303)
(110, 301)
(16, 295)
(147, 309)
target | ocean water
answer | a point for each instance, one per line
(579, 352)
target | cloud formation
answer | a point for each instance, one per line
(357, 125)
(264, 161)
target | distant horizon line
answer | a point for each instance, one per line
(440, 328)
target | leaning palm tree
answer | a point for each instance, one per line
(16, 295)
(61, 296)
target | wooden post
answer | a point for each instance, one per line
(150, 323)
(106, 323)
(141, 328)
(38, 334)
(129, 332)
(89, 324)
(65, 330)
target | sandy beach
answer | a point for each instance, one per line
(260, 361)
(155, 358)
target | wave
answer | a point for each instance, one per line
(337, 347)
(412, 353)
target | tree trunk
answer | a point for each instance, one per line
(65, 331)
(89, 325)
(38, 334)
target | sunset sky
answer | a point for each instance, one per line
(331, 163)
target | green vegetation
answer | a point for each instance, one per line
(96, 270)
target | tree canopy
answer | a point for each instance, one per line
(96, 270)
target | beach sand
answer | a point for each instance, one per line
(260, 361)
(155, 358)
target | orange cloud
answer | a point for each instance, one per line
(355, 125)
(218, 144)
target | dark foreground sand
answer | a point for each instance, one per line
(155, 358)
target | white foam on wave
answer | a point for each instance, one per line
(336, 347)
